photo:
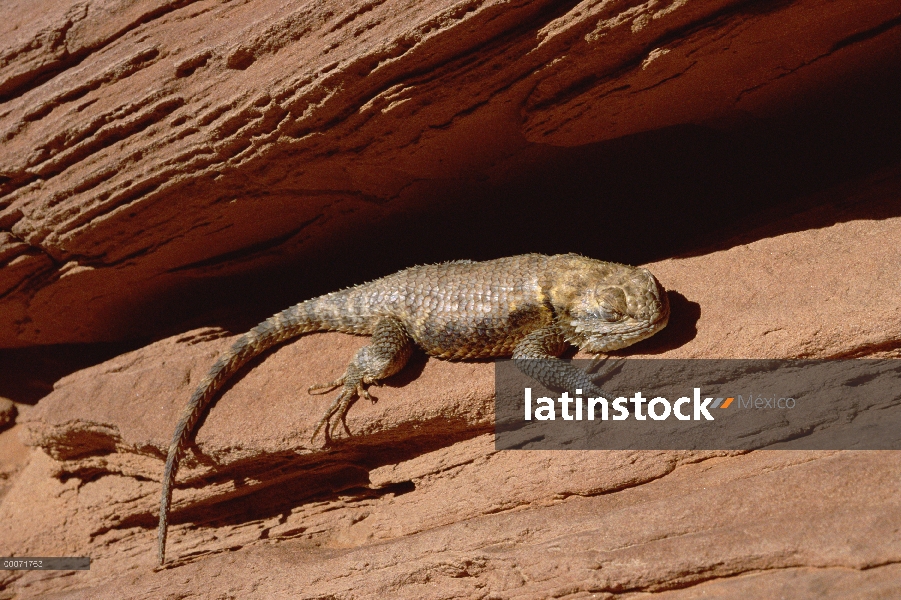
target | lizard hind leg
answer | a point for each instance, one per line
(386, 354)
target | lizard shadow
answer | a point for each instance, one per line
(681, 329)
(411, 371)
(284, 495)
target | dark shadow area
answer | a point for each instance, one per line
(681, 328)
(28, 374)
(410, 372)
(283, 482)
(679, 191)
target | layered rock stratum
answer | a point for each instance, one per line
(172, 172)
(150, 148)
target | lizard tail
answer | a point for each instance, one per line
(278, 328)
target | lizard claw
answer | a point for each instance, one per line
(344, 423)
(363, 392)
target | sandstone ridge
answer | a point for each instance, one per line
(151, 150)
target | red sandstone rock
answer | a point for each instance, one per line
(166, 164)
(418, 503)
(150, 147)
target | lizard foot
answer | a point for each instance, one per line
(340, 407)
(387, 354)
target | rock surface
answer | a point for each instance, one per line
(151, 149)
(169, 165)
(419, 504)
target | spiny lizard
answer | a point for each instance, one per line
(527, 307)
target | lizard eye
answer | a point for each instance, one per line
(607, 314)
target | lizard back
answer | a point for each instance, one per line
(466, 309)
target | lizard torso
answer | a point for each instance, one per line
(466, 309)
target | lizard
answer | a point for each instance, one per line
(526, 307)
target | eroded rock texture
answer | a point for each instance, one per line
(167, 166)
(150, 148)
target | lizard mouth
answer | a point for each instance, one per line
(615, 336)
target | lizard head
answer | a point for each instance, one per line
(622, 308)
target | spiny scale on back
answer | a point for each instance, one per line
(527, 307)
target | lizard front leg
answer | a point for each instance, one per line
(537, 354)
(386, 354)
